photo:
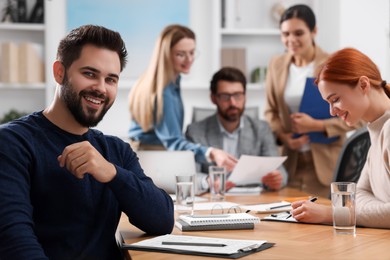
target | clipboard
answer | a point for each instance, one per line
(313, 105)
(281, 217)
(273, 207)
(287, 218)
(145, 245)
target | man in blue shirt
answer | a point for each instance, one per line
(64, 186)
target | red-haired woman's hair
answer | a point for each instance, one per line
(346, 66)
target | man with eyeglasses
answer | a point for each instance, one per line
(229, 129)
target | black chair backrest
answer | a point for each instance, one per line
(353, 156)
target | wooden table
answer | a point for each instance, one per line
(293, 241)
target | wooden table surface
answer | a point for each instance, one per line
(293, 241)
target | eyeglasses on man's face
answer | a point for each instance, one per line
(237, 96)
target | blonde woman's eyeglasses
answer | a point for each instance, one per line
(182, 55)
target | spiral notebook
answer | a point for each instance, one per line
(222, 219)
(184, 226)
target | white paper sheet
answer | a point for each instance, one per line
(217, 206)
(196, 198)
(250, 169)
(268, 207)
(283, 216)
(237, 191)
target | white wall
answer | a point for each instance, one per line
(54, 32)
(363, 24)
(360, 24)
(367, 29)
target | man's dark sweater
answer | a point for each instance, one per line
(46, 212)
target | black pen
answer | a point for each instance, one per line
(312, 200)
(191, 244)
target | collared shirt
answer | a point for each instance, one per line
(230, 140)
(169, 131)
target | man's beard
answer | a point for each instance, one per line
(231, 118)
(73, 101)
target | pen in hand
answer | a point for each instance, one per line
(312, 200)
(280, 206)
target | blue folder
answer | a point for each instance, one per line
(313, 105)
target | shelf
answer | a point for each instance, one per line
(249, 32)
(22, 26)
(22, 86)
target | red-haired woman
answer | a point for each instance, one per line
(352, 85)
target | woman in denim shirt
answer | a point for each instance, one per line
(155, 101)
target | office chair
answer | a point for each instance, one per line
(200, 113)
(353, 156)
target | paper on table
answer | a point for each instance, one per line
(283, 216)
(197, 198)
(214, 205)
(251, 169)
(268, 207)
(231, 246)
(244, 191)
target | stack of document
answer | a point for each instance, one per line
(216, 222)
(203, 246)
(269, 207)
(244, 190)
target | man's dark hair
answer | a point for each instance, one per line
(70, 47)
(230, 74)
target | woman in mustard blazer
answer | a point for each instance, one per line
(310, 165)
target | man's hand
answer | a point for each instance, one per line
(230, 185)
(222, 158)
(82, 158)
(273, 180)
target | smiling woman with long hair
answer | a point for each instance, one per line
(155, 100)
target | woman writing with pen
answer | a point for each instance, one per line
(352, 85)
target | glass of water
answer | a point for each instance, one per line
(185, 193)
(217, 180)
(343, 205)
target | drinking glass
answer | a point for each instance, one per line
(343, 205)
(217, 177)
(185, 193)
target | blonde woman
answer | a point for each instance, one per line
(155, 101)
